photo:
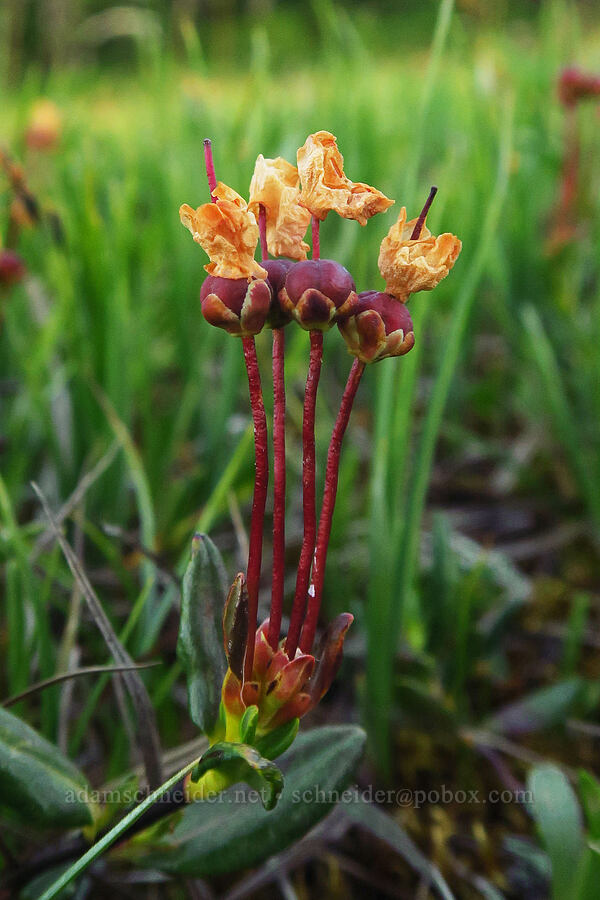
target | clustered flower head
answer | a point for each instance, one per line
(271, 680)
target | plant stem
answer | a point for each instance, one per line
(279, 486)
(331, 483)
(210, 168)
(308, 492)
(416, 232)
(314, 229)
(262, 230)
(261, 463)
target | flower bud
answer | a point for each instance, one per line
(575, 85)
(380, 327)
(45, 126)
(318, 293)
(12, 268)
(238, 306)
(277, 270)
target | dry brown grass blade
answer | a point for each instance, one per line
(75, 499)
(147, 737)
(75, 673)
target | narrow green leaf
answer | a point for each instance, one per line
(248, 725)
(215, 838)
(113, 835)
(538, 710)
(554, 395)
(558, 818)
(589, 792)
(40, 785)
(387, 829)
(200, 645)
(587, 877)
(277, 742)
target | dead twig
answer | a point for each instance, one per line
(87, 480)
(147, 736)
(74, 673)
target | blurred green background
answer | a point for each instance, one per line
(465, 538)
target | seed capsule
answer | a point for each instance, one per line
(380, 327)
(238, 306)
(277, 270)
(318, 293)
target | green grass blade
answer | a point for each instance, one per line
(113, 835)
(565, 423)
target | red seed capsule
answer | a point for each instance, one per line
(238, 306)
(278, 270)
(380, 327)
(318, 293)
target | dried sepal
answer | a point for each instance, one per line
(325, 187)
(275, 185)
(235, 625)
(380, 327)
(228, 232)
(329, 657)
(407, 265)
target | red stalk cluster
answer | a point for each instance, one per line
(307, 598)
(331, 483)
(309, 501)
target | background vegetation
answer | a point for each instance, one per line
(465, 538)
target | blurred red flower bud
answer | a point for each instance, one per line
(575, 85)
(12, 268)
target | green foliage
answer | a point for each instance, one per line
(105, 345)
(38, 784)
(240, 762)
(544, 708)
(276, 742)
(575, 863)
(200, 644)
(213, 838)
(384, 827)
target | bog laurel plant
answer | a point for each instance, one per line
(249, 686)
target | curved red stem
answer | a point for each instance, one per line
(260, 495)
(279, 486)
(210, 168)
(416, 232)
(331, 483)
(309, 502)
(262, 230)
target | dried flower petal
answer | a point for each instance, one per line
(408, 266)
(227, 230)
(326, 187)
(275, 185)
